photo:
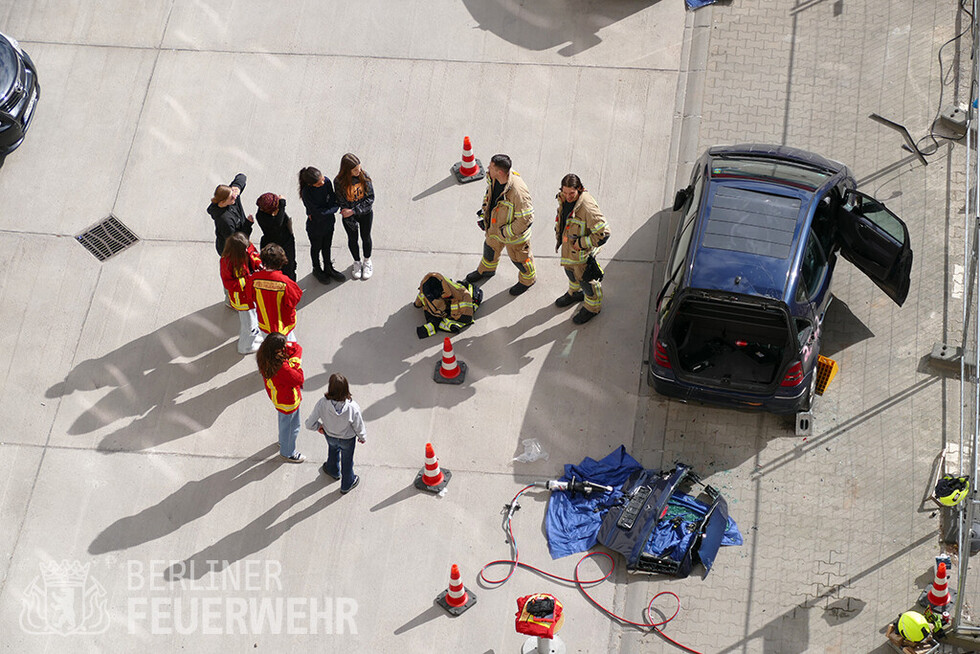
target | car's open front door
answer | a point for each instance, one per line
(877, 242)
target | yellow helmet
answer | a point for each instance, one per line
(914, 626)
(950, 490)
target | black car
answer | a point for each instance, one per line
(740, 316)
(19, 92)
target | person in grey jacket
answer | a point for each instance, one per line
(338, 418)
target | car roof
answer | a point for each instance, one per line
(750, 225)
(784, 152)
(747, 237)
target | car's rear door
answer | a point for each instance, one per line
(876, 241)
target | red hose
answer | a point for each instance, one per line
(581, 584)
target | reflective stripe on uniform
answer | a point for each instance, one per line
(447, 324)
(284, 408)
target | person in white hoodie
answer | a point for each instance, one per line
(338, 418)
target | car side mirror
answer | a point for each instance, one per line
(681, 198)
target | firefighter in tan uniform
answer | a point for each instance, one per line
(506, 218)
(580, 229)
(448, 305)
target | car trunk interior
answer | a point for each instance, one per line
(729, 345)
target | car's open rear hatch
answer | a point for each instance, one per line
(730, 343)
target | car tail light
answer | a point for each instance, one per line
(660, 355)
(793, 376)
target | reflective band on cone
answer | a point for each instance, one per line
(469, 167)
(939, 593)
(432, 475)
(457, 594)
(457, 599)
(431, 478)
(449, 370)
(449, 366)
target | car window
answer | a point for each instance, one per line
(8, 66)
(877, 214)
(824, 222)
(812, 269)
(787, 172)
(687, 227)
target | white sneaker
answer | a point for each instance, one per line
(367, 269)
(355, 272)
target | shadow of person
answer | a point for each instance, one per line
(168, 420)
(388, 348)
(193, 500)
(186, 337)
(149, 375)
(545, 24)
(313, 290)
(501, 351)
(256, 535)
(581, 378)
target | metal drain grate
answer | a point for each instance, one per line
(107, 238)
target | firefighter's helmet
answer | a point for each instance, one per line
(914, 626)
(950, 490)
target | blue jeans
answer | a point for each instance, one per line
(340, 460)
(288, 431)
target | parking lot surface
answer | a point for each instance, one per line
(143, 504)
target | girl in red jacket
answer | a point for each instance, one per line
(238, 261)
(281, 365)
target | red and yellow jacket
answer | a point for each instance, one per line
(235, 280)
(285, 388)
(275, 297)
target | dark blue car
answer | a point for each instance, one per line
(738, 320)
(19, 93)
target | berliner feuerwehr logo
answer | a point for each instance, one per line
(64, 600)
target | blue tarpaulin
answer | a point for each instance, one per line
(571, 523)
(697, 4)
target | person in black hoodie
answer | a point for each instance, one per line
(277, 227)
(355, 193)
(318, 197)
(226, 211)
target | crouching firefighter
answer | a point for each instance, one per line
(448, 306)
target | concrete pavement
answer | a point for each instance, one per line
(142, 440)
(139, 442)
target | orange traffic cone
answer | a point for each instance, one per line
(449, 370)
(938, 595)
(457, 599)
(431, 478)
(469, 169)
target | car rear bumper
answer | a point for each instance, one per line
(787, 401)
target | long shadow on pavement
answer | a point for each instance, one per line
(375, 355)
(193, 500)
(149, 376)
(256, 535)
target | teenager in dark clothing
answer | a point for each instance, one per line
(318, 197)
(355, 193)
(226, 211)
(277, 227)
